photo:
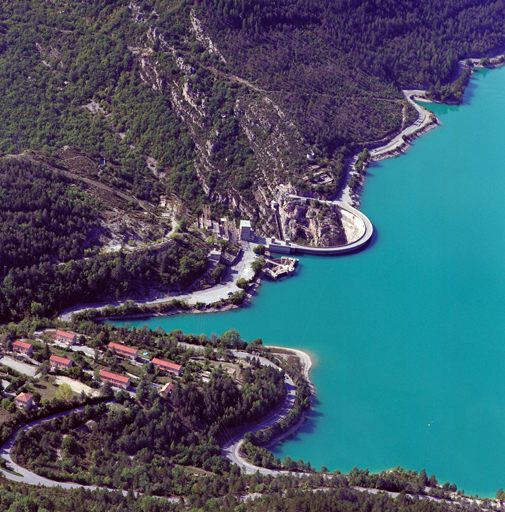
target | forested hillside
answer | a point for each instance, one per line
(220, 101)
(42, 217)
(329, 62)
(283, 494)
(125, 446)
(51, 238)
(201, 102)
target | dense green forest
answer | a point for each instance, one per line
(283, 494)
(47, 288)
(211, 100)
(136, 446)
(49, 242)
(52, 63)
(330, 58)
(42, 217)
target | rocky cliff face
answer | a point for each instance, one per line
(311, 222)
(245, 143)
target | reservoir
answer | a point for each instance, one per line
(407, 336)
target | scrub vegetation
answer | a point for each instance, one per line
(210, 493)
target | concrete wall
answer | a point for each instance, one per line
(360, 232)
(354, 227)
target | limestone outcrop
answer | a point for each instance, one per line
(311, 222)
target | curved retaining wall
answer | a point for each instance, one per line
(363, 236)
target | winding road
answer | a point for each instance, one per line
(227, 286)
(423, 120)
(231, 449)
(26, 476)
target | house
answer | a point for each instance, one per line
(66, 337)
(24, 401)
(167, 366)
(63, 363)
(123, 350)
(167, 388)
(23, 347)
(121, 381)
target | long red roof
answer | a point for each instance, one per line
(124, 348)
(22, 344)
(60, 359)
(65, 334)
(167, 364)
(114, 376)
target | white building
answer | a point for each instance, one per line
(246, 233)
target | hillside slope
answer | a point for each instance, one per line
(218, 102)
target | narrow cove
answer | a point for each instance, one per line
(407, 336)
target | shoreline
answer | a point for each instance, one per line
(232, 450)
(304, 357)
(401, 142)
(398, 144)
(307, 364)
(66, 315)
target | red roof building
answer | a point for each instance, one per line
(66, 337)
(24, 400)
(167, 366)
(115, 379)
(123, 350)
(23, 347)
(60, 362)
(167, 388)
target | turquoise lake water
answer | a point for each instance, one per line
(407, 336)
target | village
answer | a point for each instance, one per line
(58, 359)
(59, 366)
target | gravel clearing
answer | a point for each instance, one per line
(27, 369)
(77, 386)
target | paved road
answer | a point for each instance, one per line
(221, 291)
(394, 144)
(231, 449)
(421, 122)
(340, 249)
(88, 351)
(29, 477)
